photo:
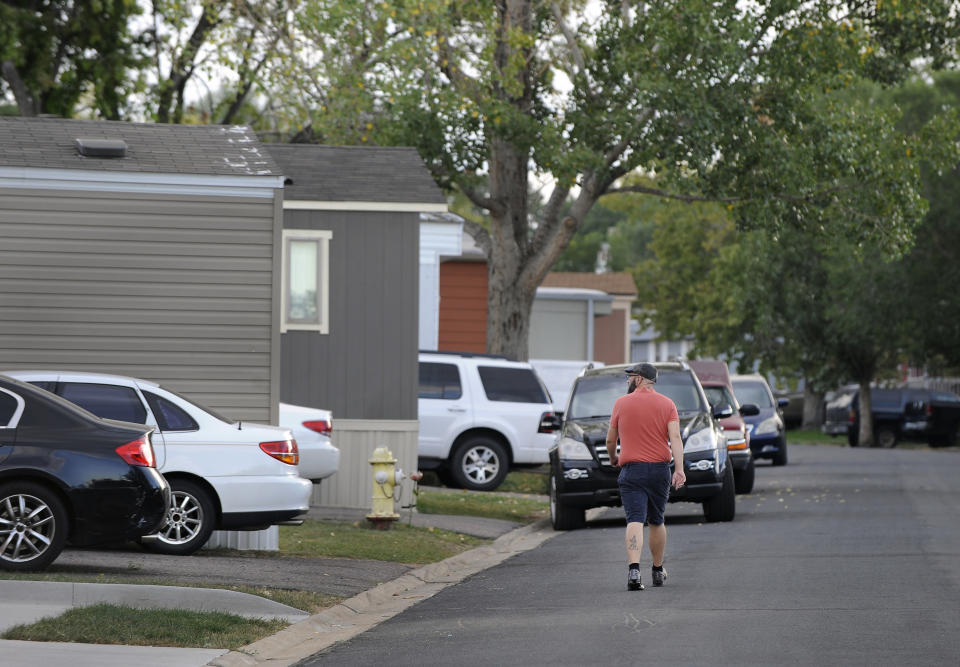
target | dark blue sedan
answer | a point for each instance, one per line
(768, 438)
(67, 476)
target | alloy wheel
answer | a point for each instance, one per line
(184, 519)
(27, 528)
(481, 464)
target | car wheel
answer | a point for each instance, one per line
(479, 464)
(189, 522)
(853, 438)
(723, 506)
(886, 437)
(564, 517)
(33, 526)
(744, 479)
(780, 458)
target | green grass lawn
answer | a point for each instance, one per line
(814, 437)
(114, 624)
(403, 543)
(490, 505)
(534, 481)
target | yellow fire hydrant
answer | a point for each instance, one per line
(385, 478)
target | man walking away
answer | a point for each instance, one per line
(648, 427)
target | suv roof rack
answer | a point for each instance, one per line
(468, 354)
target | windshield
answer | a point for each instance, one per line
(594, 395)
(752, 392)
(718, 396)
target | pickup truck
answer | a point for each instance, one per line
(898, 414)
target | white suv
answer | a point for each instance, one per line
(480, 415)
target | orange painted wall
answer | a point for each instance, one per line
(609, 337)
(463, 307)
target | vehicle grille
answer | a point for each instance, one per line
(601, 451)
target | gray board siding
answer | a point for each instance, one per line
(179, 291)
(355, 174)
(366, 367)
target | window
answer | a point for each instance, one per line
(170, 417)
(46, 385)
(718, 396)
(753, 392)
(107, 401)
(10, 409)
(306, 272)
(439, 381)
(513, 385)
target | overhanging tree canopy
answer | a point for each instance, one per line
(722, 100)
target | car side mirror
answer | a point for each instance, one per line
(722, 411)
(783, 402)
(749, 410)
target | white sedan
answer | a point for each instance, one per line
(311, 429)
(224, 474)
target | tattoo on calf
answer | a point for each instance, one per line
(633, 544)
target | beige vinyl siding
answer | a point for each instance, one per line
(175, 289)
(352, 486)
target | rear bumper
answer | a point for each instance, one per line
(256, 520)
(586, 483)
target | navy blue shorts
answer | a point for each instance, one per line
(644, 488)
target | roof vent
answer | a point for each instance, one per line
(92, 147)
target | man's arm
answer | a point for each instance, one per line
(612, 434)
(676, 446)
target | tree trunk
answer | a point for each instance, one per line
(813, 408)
(511, 292)
(27, 104)
(865, 435)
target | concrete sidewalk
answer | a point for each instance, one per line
(27, 601)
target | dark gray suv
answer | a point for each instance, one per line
(581, 476)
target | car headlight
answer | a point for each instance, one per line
(767, 426)
(568, 448)
(701, 441)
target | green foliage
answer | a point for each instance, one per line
(743, 104)
(68, 54)
(838, 305)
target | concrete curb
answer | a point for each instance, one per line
(370, 608)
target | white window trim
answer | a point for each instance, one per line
(323, 236)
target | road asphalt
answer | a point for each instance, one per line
(379, 591)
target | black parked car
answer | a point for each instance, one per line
(580, 472)
(898, 414)
(68, 476)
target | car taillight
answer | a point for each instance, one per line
(138, 452)
(282, 450)
(851, 416)
(321, 426)
(549, 422)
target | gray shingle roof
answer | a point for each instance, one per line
(49, 143)
(355, 173)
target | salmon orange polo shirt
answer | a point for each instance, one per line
(641, 419)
